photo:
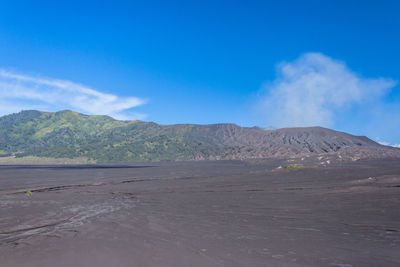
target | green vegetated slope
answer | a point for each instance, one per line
(68, 134)
(71, 134)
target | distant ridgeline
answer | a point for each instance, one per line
(68, 134)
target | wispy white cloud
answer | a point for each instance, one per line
(384, 143)
(314, 89)
(388, 144)
(18, 91)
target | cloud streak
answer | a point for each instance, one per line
(315, 89)
(387, 143)
(19, 92)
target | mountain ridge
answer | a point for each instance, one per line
(69, 134)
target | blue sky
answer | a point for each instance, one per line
(265, 63)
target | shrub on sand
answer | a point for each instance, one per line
(294, 166)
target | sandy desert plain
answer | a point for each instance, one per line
(210, 213)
